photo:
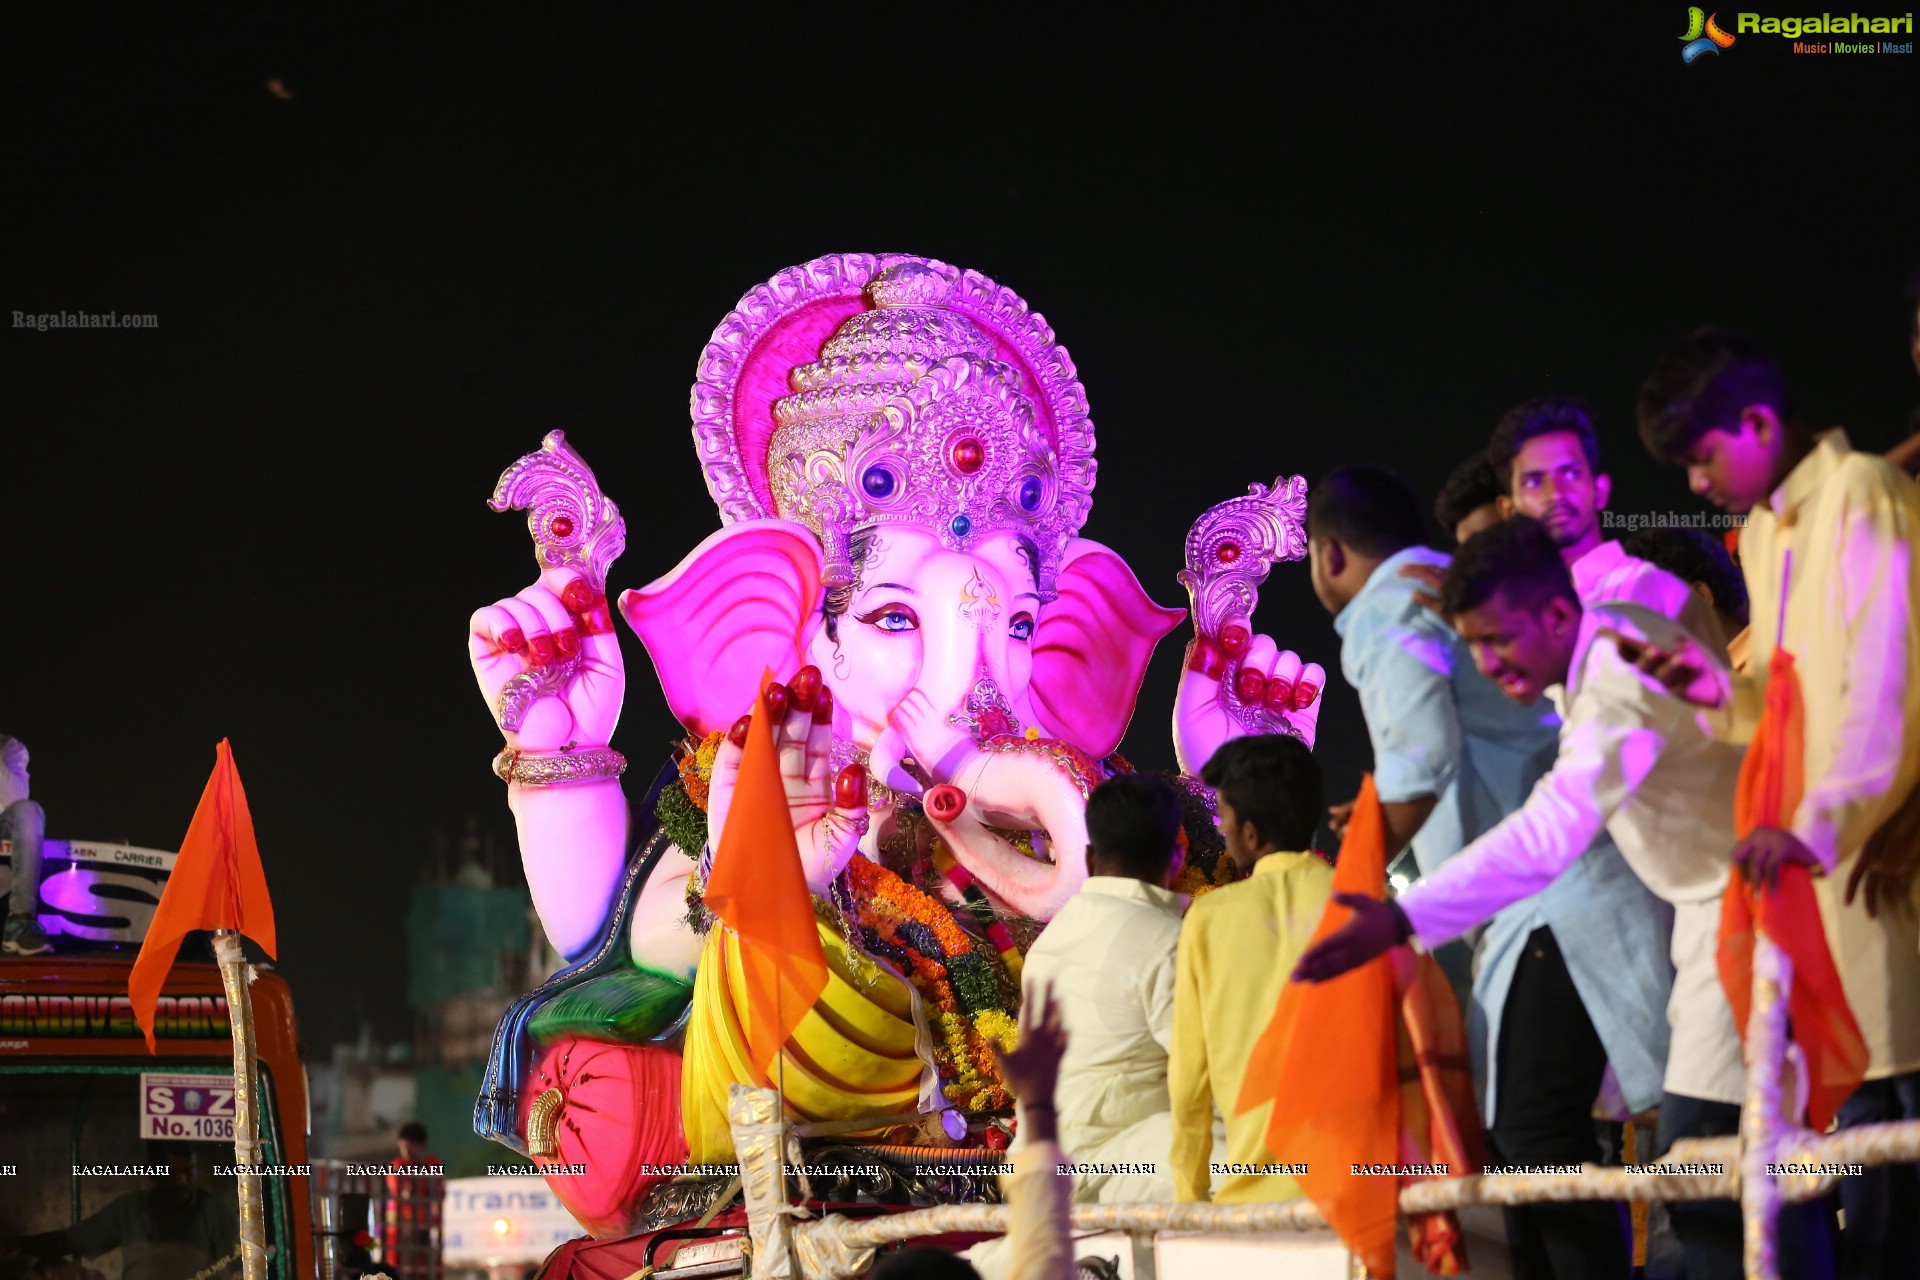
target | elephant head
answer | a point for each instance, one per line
(930, 652)
(902, 455)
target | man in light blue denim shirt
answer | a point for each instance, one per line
(1452, 757)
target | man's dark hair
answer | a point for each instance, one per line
(1700, 384)
(1913, 300)
(1693, 555)
(1372, 512)
(1133, 823)
(1272, 781)
(923, 1264)
(1516, 558)
(1543, 416)
(1470, 486)
(413, 1131)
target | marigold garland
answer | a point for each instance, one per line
(957, 979)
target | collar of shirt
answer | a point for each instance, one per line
(1595, 565)
(1165, 900)
(1809, 474)
(1386, 579)
(1279, 863)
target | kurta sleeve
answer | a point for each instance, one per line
(1873, 568)
(1610, 741)
(1039, 1215)
(1189, 1084)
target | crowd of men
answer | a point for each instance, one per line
(1559, 725)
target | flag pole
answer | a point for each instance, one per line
(235, 974)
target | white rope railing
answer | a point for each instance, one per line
(1769, 1164)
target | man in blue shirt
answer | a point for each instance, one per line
(1567, 981)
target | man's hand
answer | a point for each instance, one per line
(1885, 868)
(1374, 929)
(1338, 816)
(1765, 851)
(1684, 671)
(1429, 576)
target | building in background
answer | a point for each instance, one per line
(472, 944)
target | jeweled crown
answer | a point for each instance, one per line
(942, 402)
(908, 417)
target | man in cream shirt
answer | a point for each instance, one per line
(1644, 765)
(1108, 957)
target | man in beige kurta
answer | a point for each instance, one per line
(1831, 555)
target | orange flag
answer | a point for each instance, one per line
(1330, 1063)
(216, 883)
(759, 891)
(1820, 1019)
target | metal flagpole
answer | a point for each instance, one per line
(235, 974)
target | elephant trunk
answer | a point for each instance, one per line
(1022, 791)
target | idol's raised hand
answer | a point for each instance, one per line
(1235, 682)
(828, 810)
(1234, 685)
(548, 664)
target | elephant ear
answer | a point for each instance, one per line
(1091, 648)
(746, 599)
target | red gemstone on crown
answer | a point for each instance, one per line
(561, 526)
(967, 456)
(1228, 552)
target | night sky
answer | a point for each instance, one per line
(1271, 247)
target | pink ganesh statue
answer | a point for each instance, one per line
(902, 459)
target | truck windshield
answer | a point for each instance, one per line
(86, 1197)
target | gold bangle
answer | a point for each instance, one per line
(563, 769)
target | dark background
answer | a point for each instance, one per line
(1273, 244)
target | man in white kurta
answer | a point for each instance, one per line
(1109, 958)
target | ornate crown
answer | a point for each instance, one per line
(936, 399)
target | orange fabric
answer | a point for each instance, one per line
(1821, 1022)
(217, 883)
(759, 891)
(1439, 1119)
(1328, 1060)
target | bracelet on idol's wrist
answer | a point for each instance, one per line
(563, 768)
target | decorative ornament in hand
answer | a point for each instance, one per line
(573, 525)
(1230, 550)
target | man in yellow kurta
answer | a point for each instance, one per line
(1237, 947)
(1831, 555)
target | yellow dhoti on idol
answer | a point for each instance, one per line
(858, 1053)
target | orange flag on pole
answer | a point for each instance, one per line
(758, 890)
(217, 883)
(1820, 1019)
(1330, 1063)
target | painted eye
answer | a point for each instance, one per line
(1021, 628)
(891, 618)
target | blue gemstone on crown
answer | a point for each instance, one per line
(961, 525)
(879, 482)
(1030, 493)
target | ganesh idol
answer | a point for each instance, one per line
(902, 460)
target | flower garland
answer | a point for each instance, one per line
(958, 980)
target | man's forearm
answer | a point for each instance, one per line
(1404, 818)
